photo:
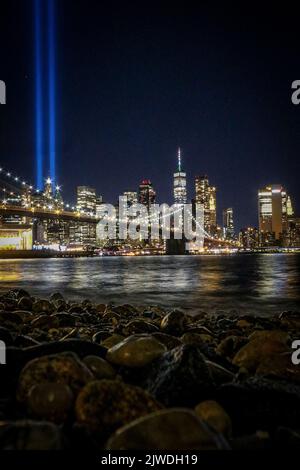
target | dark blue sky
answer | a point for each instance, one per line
(135, 82)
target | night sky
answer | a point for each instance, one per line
(136, 81)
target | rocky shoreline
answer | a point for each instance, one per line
(93, 376)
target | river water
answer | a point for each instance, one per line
(260, 283)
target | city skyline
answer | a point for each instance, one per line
(140, 100)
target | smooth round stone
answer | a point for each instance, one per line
(172, 429)
(135, 351)
(45, 322)
(10, 319)
(214, 415)
(100, 336)
(112, 340)
(139, 327)
(64, 319)
(50, 401)
(174, 323)
(103, 406)
(230, 345)
(42, 306)
(56, 296)
(100, 368)
(273, 335)
(60, 368)
(256, 351)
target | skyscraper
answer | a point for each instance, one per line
(206, 195)
(272, 212)
(180, 196)
(228, 225)
(86, 199)
(147, 195)
(132, 197)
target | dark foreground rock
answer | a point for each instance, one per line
(93, 376)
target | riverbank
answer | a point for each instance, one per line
(94, 376)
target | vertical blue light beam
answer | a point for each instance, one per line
(38, 97)
(52, 89)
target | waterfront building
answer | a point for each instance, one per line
(86, 199)
(179, 184)
(249, 238)
(206, 195)
(147, 194)
(228, 225)
(272, 214)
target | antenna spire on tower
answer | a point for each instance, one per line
(179, 160)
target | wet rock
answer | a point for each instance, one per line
(56, 296)
(25, 303)
(30, 435)
(279, 367)
(50, 402)
(42, 306)
(80, 347)
(260, 403)
(105, 405)
(100, 368)
(290, 320)
(230, 345)
(174, 323)
(100, 336)
(45, 322)
(270, 335)
(212, 413)
(139, 327)
(112, 340)
(169, 341)
(172, 429)
(196, 338)
(76, 308)
(180, 377)
(135, 351)
(64, 319)
(64, 369)
(256, 351)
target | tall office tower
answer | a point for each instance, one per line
(272, 212)
(206, 195)
(132, 197)
(289, 207)
(147, 195)
(86, 199)
(228, 225)
(58, 200)
(179, 187)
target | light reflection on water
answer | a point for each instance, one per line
(247, 283)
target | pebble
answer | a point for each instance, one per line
(168, 430)
(50, 402)
(100, 368)
(105, 405)
(135, 351)
(214, 415)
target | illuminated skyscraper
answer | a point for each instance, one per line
(132, 197)
(206, 195)
(147, 195)
(180, 196)
(228, 225)
(272, 212)
(86, 199)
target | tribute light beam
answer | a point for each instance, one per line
(38, 96)
(52, 89)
